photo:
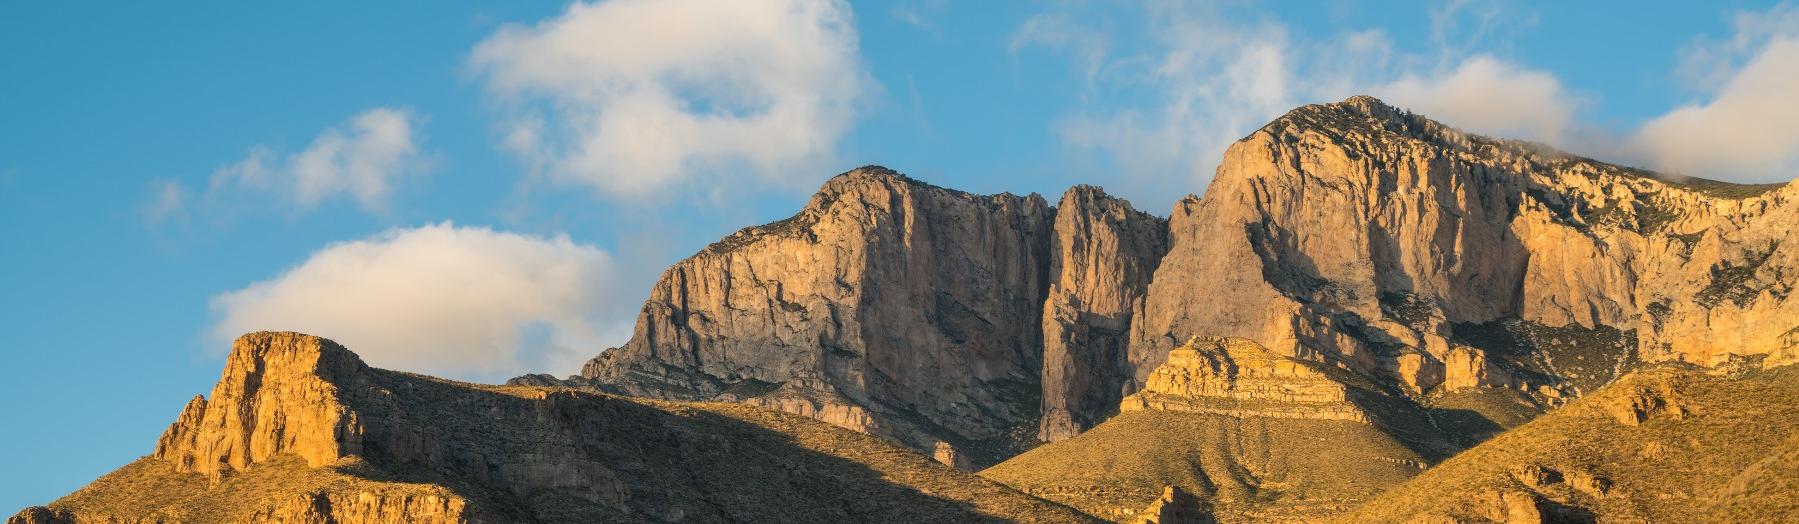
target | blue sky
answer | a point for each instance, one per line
(483, 190)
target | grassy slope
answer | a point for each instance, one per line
(1253, 468)
(716, 461)
(1733, 457)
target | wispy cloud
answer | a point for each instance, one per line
(461, 301)
(631, 97)
(1165, 113)
(167, 201)
(364, 162)
(1490, 96)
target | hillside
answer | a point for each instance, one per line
(1662, 445)
(1250, 435)
(298, 429)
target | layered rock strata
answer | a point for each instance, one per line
(1240, 378)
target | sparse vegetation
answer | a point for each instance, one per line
(1731, 281)
(1732, 457)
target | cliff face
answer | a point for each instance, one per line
(886, 305)
(1352, 235)
(300, 430)
(1102, 256)
(1356, 233)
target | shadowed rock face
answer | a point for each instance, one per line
(298, 429)
(1103, 254)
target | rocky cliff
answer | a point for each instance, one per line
(1355, 232)
(1102, 255)
(298, 429)
(1353, 235)
(886, 305)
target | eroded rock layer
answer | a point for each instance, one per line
(1240, 378)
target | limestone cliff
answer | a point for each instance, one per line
(298, 429)
(1353, 235)
(912, 311)
(1102, 256)
(1358, 233)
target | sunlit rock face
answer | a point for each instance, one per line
(1240, 378)
(1358, 233)
(1353, 235)
(887, 305)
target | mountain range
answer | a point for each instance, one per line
(1369, 316)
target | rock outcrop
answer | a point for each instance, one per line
(298, 429)
(1175, 507)
(1355, 232)
(1103, 254)
(1239, 378)
(279, 395)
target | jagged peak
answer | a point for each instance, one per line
(1367, 124)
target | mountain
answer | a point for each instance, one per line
(1663, 445)
(1366, 310)
(1358, 233)
(298, 429)
(1450, 269)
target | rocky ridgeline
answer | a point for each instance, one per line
(1239, 378)
(1353, 234)
(298, 429)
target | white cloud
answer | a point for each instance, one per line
(1489, 96)
(1211, 75)
(1748, 130)
(633, 96)
(441, 299)
(365, 163)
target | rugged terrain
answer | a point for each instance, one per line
(300, 430)
(1663, 445)
(1432, 262)
(1361, 293)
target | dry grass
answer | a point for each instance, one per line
(1734, 457)
(1251, 469)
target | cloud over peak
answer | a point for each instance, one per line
(467, 302)
(632, 96)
